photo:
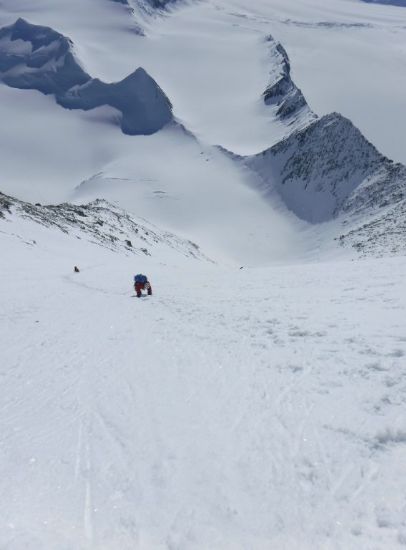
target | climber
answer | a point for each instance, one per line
(141, 283)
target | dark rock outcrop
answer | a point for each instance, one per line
(100, 223)
(282, 93)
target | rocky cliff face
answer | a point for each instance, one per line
(282, 94)
(39, 58)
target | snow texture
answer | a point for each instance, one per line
(236, 408)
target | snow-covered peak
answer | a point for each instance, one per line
(39, 58)
(317, 168)
(144, 106)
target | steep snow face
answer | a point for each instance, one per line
(316, 169)
(282, 93)
(39, 58)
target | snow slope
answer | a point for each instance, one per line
(254, 408)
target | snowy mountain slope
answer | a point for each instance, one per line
(98, 222)
(168, 178)
(374, 218)
(233, 57)
(327, 172)
(358, 39)
(319, 169)
(347, 56)
(177, 191)
(39, 58)
(381, 233)
(254, 408)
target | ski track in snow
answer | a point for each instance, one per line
(255, 408)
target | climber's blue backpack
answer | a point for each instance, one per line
(140, 279)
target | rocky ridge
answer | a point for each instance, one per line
(100, 223)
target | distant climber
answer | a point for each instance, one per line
(76, 269)
(141, 283)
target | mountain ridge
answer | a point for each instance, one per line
(39, 58)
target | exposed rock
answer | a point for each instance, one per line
(316, 169)
(282, 93)
(102, 223)
(329, 170)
